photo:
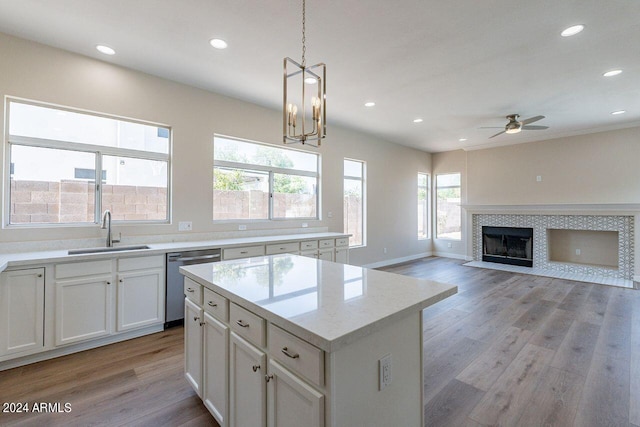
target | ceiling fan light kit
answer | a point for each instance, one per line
(304, 103)
(516, 126)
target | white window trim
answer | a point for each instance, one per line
(427, 213)
(444, 187)
(363, 179)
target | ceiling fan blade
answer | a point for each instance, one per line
(528, 127)
(499, 133)
(532, 119)
(491, 127)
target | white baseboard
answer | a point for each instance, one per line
(451, 255)
(397, 260)
(74, 348)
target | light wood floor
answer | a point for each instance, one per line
(508, 349)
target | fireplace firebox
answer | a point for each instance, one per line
(508, 245)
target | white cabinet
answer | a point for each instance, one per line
(83, 306)
(292, 402)
(326, 254)
(342, 255)
(141, 292)
(193, 322)
(215, 381)
(21, 311)
(247, 402)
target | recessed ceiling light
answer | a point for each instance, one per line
(615, 113)
(462, 139)
(311, 80)
(218, 43)
(105, 49)
(572, 31)
(612, 73)
(370, 104)
(417, 120)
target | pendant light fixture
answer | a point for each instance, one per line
(304, 104)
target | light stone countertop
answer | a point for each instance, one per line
(326, 304)
(20, 259)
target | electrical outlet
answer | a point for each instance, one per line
(449, 244)
(305, 225)
(384, 373)
(578, 252)
(242, 227)
(185, 226)
(384, 250)
(539, 178)
(329, 214)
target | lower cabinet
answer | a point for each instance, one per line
(248, 387)
(193, 321)
(21, 311)
(291, 401)
(83, 308)
(140, 298)
(215, 381)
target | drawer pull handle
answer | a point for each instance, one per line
(268, 377)
(211, 304)
(242, 324)
(244, 252)
(287, 353)
(282, 249)
(195, 318)
(201, 323)
(255, 368)
(189, 290)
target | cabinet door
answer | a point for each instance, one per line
(215, 381)
(21, 311)
(342, 255)
(83, 308)
(193, 322)
(292, 402)
(325, 254)
(247, 400)
(140, 299)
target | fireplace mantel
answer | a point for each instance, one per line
(558, 209)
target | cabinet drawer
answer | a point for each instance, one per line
(343, 241)
(235, 253)
(246, 324)
(87, 268)
(309, 244)
(327, 243)
(193, 291)
(216, 305)
(297, 354)
(139, 263)
(283, 248)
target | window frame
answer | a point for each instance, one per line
(436, 188)
(271, 170)
(363, 181)
(97, 150)
(426, 218)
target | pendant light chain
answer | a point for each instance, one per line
(304, 47)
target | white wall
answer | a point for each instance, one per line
(34, 71)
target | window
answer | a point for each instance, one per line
(68, 166)
(253, 181)
(448, 213)
(354, 207)
(423, 206)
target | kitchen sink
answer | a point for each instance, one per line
(112, 249)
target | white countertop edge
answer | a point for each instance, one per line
(46, 257)
(312, 338)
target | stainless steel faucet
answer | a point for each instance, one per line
(106, 225)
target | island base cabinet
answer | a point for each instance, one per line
(292, 402)
(215, 381)
(193, 323)
(247, 384)
(21, 311)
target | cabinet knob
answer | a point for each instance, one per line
(189, 290)
(201, 323)
(211, 304)
(242, 324)
(121, 280)
(39, 275)
(255, 368)
(108, 282)
(195, 318)
(287, 353)
(268, 377)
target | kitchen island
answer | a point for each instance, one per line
(285, 340)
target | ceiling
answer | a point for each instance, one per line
(457, 64)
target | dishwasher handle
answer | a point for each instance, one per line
(196, 258)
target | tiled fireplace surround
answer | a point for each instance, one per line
(623, 224)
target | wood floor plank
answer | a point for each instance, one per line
(555, 400)
(634, 391)
(576, 299)
(452, 405)
(554, 329)
(558, 289)
(615, 336)
(576, 350)
(509, 396)
(488, 366)
(535, 316)
(605, 395)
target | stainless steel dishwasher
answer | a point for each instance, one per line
(174, 308)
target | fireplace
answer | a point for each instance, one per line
(508, 245)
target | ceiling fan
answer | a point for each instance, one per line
(515, 126)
